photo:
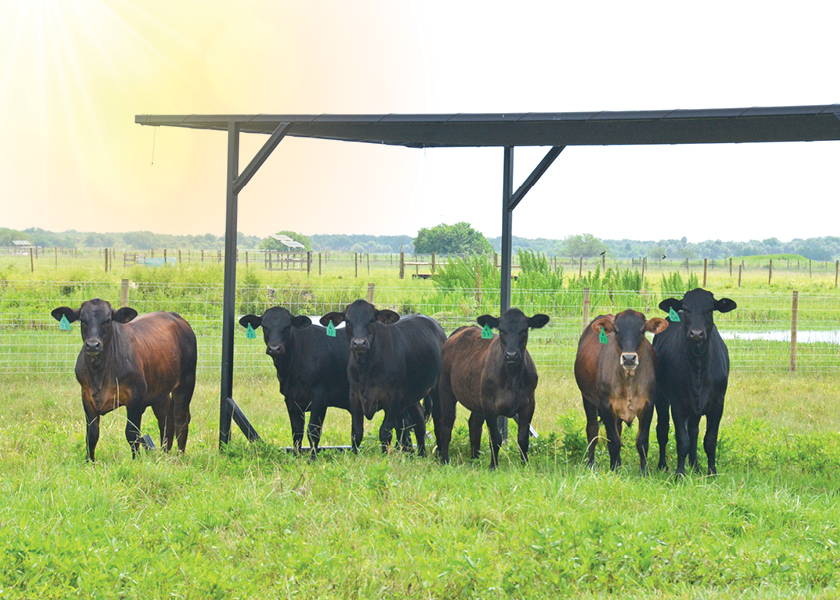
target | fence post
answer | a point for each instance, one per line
(356, 262)
(31, 259)
(794, 322)
(246, 259)
(433, 265)
(580, 269)
(124, 293)
(603, 262)
(770, 275)
(368, 265)
(705, 269)
(836, 272)
(56, 259)
(319, 263)
(730, 267)
(308, 262)
(371, 292)
(402, 265)
(740, 269)
(644, 268)
(179, 256)
(585, 306)
(810, 270)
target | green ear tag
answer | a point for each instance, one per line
(64, 324)
(330, 329)
(603, 337)
(486, 333)
(250, 333)
(673, 315)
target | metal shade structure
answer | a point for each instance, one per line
(508, 130)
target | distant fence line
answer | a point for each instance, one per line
(767, 332)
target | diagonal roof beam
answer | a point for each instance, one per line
(242, 180)
(534, 177)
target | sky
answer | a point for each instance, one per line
(74, 73)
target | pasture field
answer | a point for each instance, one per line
(257, 522)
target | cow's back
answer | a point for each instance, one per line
(418, 341)
(464, 357)
(162, 346)
(586, 364)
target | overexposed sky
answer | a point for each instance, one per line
(74, 73)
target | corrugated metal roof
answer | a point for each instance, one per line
(704, 126)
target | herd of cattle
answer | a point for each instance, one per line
(408, 368)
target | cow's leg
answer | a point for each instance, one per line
(693, 434)
(476, 424)
(357, 429)
(713, 418)
(91, 429)
(445, 420)
(436, 413)
(389, 422)
(663, 424)
(181, 417)
(613, 430)
(134, 420)
(591, 431)
(297, 419)
(404, 426)
(683, 441)
(416, 412)
(524, 435)
(313, 430)
(165, 415)
(495, 439)
(619, 425)
(643, 437)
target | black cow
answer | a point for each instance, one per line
(394, 365)
(691, 377)
(137, 362)
(311, 368)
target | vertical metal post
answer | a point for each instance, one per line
(507, 232)
(124, 293)
(507, 250)
(229, 304)
(794, 326)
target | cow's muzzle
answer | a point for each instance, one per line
(513, 358)
(629, 362)
(359, 345)
(275, 350)
(93, 347)
(697, 335)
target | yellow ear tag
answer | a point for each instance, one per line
(486, 333)
(603, 337)
(330, 329)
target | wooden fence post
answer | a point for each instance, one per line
(585, 306)
(371, 292)
(740, 269)
(705, 269)
(644, 268)
(794, 323)
(770, 275)
(319, 263)
(433, 265)
(31, 259)
(810, 270)
(308, 262)
(124, 293)
(730, 267)
(580, 269)
(179, 256)
(106, 260)
(368, 265)
(402, 265)
(356, 262)
(836, 272)
(246, 259)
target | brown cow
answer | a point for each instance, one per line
(492, 378)
(134, 362)
(618, 379)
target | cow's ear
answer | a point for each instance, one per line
(301, 322)
(334, 317)
(667, 305)
(124, 315)
(253, 320)
(607, 323)
(65, 311)
(656, 325)
(725, 305)
(538, 321)
(386, 317)
(488, 320)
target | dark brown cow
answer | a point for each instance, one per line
(492, 378)
(134, 362)
(617, 379)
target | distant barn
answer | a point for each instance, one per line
(288, 242)
(21, 246)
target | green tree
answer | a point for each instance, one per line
(270, 243)
(583, 245)
(451, 239)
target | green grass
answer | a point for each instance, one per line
(257, 522)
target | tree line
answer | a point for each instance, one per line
(443, 239)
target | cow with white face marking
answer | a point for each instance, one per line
(615, 369)
(692, 377)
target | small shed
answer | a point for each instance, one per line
(288, 242)
(21, 246)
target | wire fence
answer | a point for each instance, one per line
(767, 332)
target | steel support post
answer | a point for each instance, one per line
(507, 250)
(229, 303)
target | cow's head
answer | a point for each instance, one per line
(696, 313)
(96, 317)
(359, 319)
(277, 324)
(629, 329)
(513, 328)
